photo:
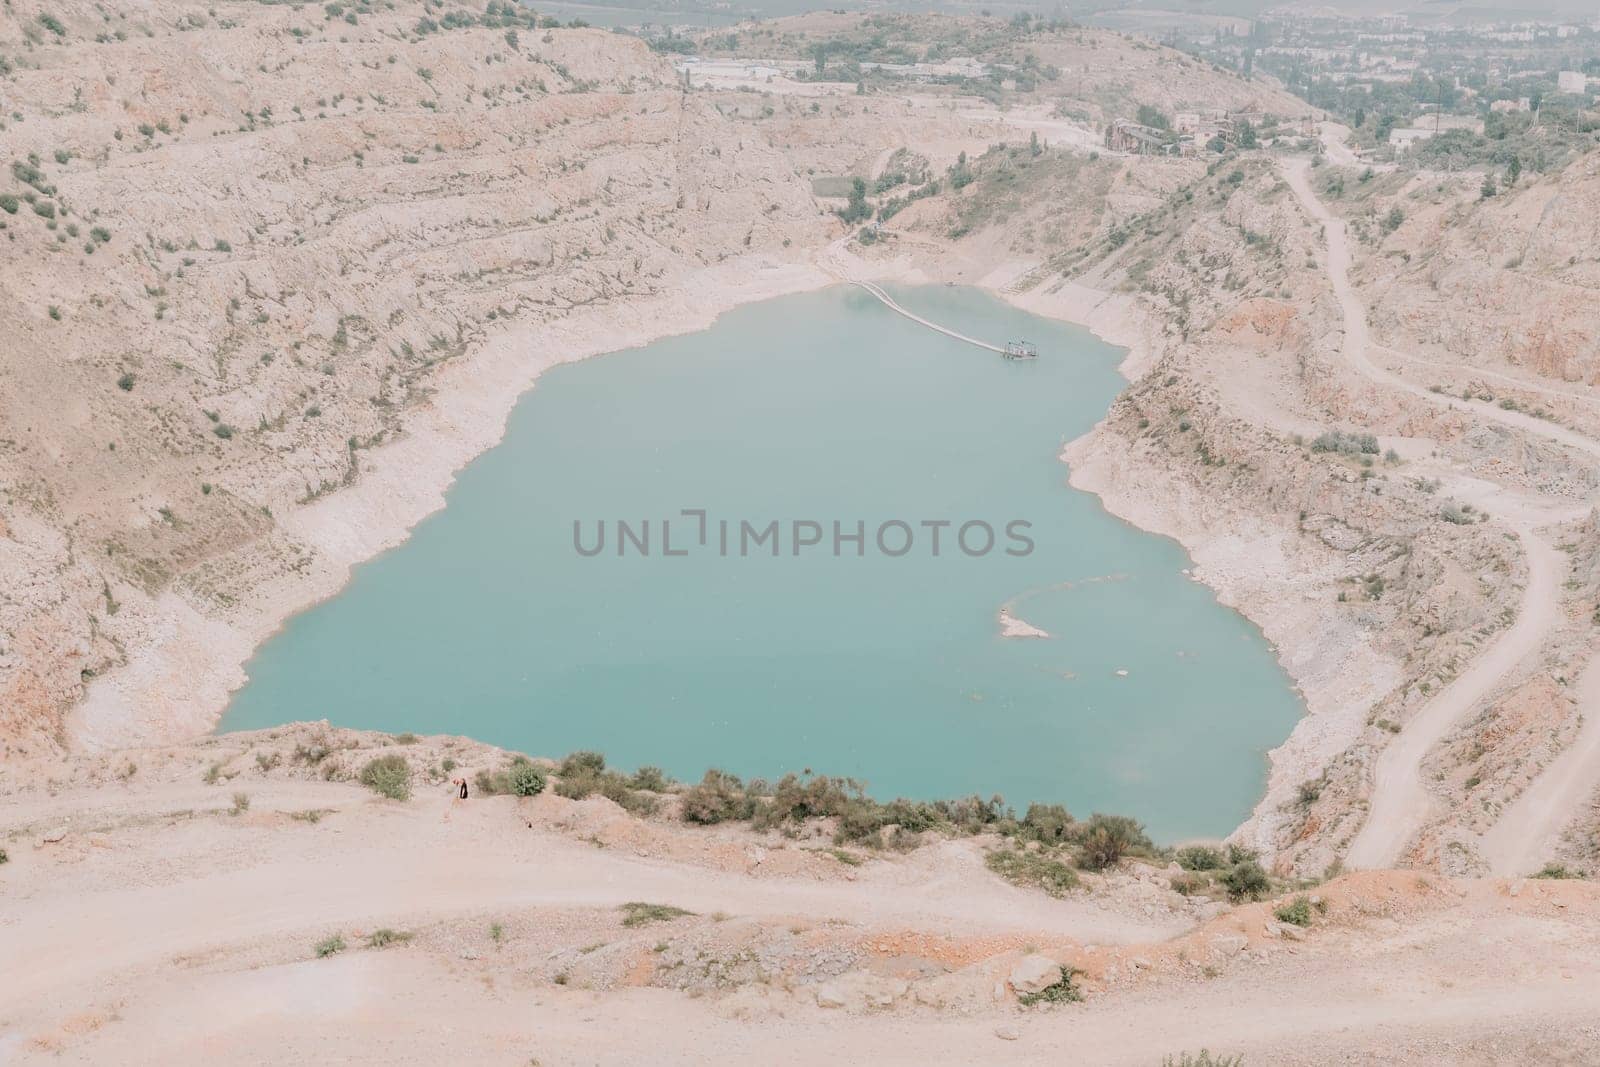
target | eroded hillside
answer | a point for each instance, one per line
(244, 242)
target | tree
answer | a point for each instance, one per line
(858, 208)
(1033, 143)
(961, 175)
(1489, 189)
(1153, 117)
(1247, 134)
(1246, 881)
(1513, 171)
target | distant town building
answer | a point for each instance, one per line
(1403, 138)
(1520, 104)
(1572, 81)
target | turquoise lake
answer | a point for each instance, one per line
(828, 407)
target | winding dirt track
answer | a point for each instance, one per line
(1528, 830)
(1400, 802)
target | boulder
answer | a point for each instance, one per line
(832, 995)
(1229, 944)
(1034, 974)
(859, 991)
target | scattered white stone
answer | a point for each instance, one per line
(1007, 1032)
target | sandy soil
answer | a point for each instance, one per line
(140, 898)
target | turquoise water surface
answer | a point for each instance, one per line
(824, 407)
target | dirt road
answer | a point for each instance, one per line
(135, 902)
(1400, 803)
(1525, 836)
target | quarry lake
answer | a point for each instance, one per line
(1147, 698)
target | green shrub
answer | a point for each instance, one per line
(1246, 881)
(719, 797)
(1558, 870)
(1049, 824)
(53, 24)
(8, 203)
(520, 778)
(329, 946)
(652, 778)
(1035, 870)
(223, 430)
(1205, 1059)
(609, 784)
(125, 383)
(313, 753)
(582, 763)
(388, 776)
(3, 857)
(813, 797)
(1062, 992)
(1200, 858)
(241, 803)
(44, 209)
(1350, 444)
(1104, 840)
(524, 780)
(638, 913)
(1297, 912)
(222, 246)
(385, 937)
